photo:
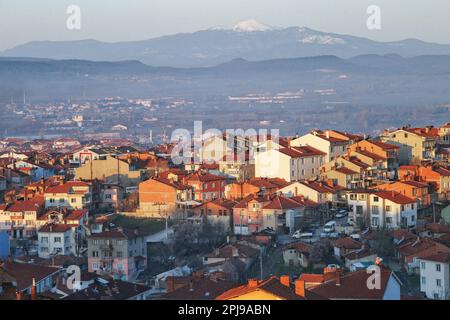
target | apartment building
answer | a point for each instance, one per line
(415, 144)
(290, 164)
(120, 253)
(435, 276)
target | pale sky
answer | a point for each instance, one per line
(124, 20)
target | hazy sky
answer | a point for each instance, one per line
(123, 20)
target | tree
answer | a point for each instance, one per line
(383, 244)
(186, 238)
(320, 251)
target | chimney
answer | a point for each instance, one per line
(18, 295)
(300, 288)
(285, 281)
(252, 283)
(170, 284)
(338, 278)
(327, 134)
(33, 290)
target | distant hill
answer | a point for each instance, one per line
(248, 40)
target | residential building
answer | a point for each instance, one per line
(378, 151)
(112, 170)
(273, 288)
(57, 239)
(412, 189)
(290, 164)
(71, 195)
(392, 210)
(297, 254)
(415, 144)
(217, 212)
(435, 276)
(240, 190)
(206, 186)
(332, 145)
(120, 253)
(161, 197)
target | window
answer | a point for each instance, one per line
(95, 253)
(388, 209)
(61, 200)
(422, 265)
(73, 200)
(375, 210)
(376, 199)
(359, 210)
(375, 221)
(388, 220)
(44, 240)
(438, 283)
(438, 267)
(57, 239)
(119, 254)
(424, 280)
(52, 200)
(403, 207)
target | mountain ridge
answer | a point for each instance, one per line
(252, 41)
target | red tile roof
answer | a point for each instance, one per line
(281, 202)
(438, 257)
(25, 272)
(395, 197)
(347, 243)
(271, 285)
(57, 228)
(301, 152)
(351, 286)
(66, 187)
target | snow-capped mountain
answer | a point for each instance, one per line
(250, 40)
(251, 26)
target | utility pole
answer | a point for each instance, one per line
(166, 216)
(261, 264)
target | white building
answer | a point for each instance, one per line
(434, 276)
(328, 142)
(57, 239)
(392, 210)
(291, 164)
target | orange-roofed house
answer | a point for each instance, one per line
(70, 195)
(392, 210)
(240, 190)
(290, 164)
(439, 177)
(387, 153)
(415, 144)
(412, 189)
(206, 186)
(273, 288)
(216, 212)
(333, 145)
(159, 197)
(297, 254)
(343, 177)
(20, 219)
(256, 213)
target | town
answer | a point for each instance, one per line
(301, 217)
